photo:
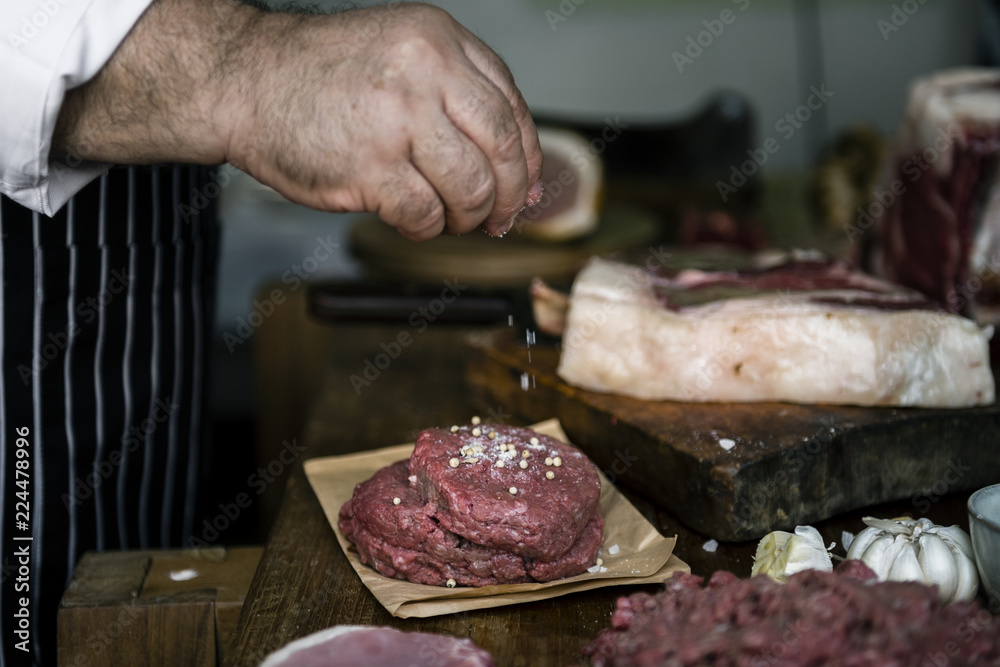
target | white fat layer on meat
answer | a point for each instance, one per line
(287, 655)
(948, 104)
(283, 654)
(783, 347)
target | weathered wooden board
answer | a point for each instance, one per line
(790, 464)
(134, 608)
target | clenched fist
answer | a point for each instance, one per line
(396, 109)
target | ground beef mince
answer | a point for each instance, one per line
(508, 488)
(818, 618)
(404, 540)
(355, 645)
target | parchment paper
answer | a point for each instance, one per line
(644, 556)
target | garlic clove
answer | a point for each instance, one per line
(968, 579)
(892, 526)
(902, 562)
(780, 554)
(862, 541)
(960, 545)
(955, 536)
(847, 539)
(937, 563)
(770, 557)
(875, 555)
(806, 551)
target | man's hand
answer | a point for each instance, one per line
(395, 109)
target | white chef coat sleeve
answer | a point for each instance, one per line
(48, 47)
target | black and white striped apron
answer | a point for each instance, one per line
(106, 316)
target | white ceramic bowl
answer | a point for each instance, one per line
(984, 527)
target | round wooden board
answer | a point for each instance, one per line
(483, 260)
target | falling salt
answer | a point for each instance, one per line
(613, 550)
(710, 546)
(529, 337)
(524, 382)
(510, 320)
(727, 443)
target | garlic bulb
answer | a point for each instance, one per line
(781, 554)
(908, 550)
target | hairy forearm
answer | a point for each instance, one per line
(171, 91)
(395, 109)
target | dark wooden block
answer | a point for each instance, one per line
(132, 607)
(791, 465)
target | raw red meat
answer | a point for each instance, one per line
(816, 618)
(357, 646)
(406, 540)
(801, 331)
(515, 508)
(939, 215)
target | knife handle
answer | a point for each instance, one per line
(357, 302)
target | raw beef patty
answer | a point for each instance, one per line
(406, 541)
(474, 477)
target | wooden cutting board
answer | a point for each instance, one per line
(482, 260)
(786, 464)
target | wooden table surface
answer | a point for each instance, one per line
(304, 582)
